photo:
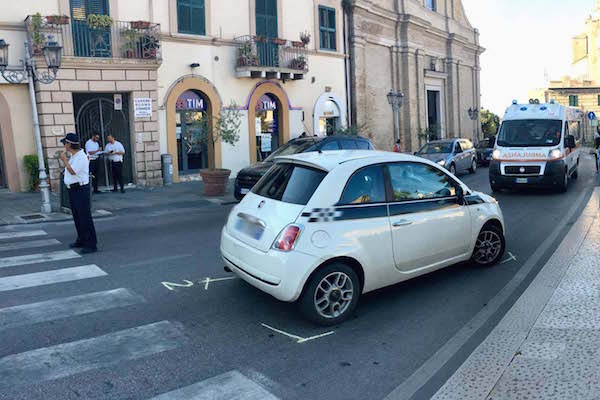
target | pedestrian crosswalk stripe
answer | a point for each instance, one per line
(28, 245)
(227, 386)
(63, 360)
(38, 258)
(22, 234)
(50, 277)
(12, 317)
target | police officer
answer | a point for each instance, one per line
(77, 180)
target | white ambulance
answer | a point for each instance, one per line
(537, 145)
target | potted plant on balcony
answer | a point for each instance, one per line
(260, 39)
(280, 42)
(57, 19)
(299, 63)
(305, 38)
(247, 55)
(297, 44)
(97, 21)
(130, 42)
(37, 37)
(224, 128)
(140, 25)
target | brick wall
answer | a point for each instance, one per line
(55, 108)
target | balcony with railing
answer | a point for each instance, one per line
(104, 39)
(262, 57)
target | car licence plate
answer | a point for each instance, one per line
(253, 230)
(522, 180)
(244, 191)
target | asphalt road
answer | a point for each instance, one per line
(139, 319)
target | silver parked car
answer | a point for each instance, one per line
(456, 155)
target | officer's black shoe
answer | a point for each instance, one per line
(115, 190)
(75, 245)
(88, 250)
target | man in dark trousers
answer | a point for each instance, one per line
(116, 151)
(92, 148)
(77, 180)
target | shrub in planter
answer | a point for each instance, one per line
(305, 37)
(97, 21)
(37, 37)
(299, 63)
(32, 168)
(224, 128)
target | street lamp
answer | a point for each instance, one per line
(396, 99)
(53, 55)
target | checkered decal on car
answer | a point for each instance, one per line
(322, 215)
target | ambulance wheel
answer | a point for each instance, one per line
(564, 186)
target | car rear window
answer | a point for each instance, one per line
(289, 183)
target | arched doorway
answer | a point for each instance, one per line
(204, 102)
(192, 127)
(268, 119)
(329, 114)
(9, 172)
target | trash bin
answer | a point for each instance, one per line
(65, 203)
(167, 169)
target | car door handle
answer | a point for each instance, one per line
(402, 222)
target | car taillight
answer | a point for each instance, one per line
(287, 238)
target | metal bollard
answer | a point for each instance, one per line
(167, 169)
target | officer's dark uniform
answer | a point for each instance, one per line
(79, 196)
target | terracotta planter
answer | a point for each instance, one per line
(281, 42)
(57, 19)
(298, 44)
(215, 181)
(140, 24)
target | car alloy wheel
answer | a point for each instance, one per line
(334, 295)
(473, 168)
(489, 247)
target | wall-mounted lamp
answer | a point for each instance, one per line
(194, 65)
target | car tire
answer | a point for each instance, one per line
(316, 293)
(238, 196)
(495, 188)
(489, 246)
(564, 186)
(473, 168)
(452, 169)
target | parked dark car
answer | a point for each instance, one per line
(485, 148)
(248, 177)
(456, 155)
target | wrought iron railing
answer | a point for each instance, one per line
(135, 40)
(257, 51)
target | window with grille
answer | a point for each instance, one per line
(191, 17)
(327, 33)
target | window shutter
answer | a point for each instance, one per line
(198, 17)
(99, 7)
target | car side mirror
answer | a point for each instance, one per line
(571, 142)
(415, 153)
(460, 195)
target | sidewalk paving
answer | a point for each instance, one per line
(23, 208)
(548, 345)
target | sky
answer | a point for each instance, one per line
(523, 39)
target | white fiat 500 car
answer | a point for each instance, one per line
(324, 228)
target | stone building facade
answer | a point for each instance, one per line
(426, 49)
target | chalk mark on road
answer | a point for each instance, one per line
(188, 284)
(172, 286)
(297, 338)
(511, 258)
(208, 280)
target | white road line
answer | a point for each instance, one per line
(38, 258)
(228, 386)
(50, 277)
(208, 280)
(511, 258)
(15, 235)
(35, 366)
(28, 245)
(297, 338)
(67, 307)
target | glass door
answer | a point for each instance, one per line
(192, 150)
(266, 27)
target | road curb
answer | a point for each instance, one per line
(49, 218)
(478, 375)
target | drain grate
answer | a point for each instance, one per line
(32, 217)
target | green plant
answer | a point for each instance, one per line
(305, 37)
(37, 37)
(352, 130)
(489, 123)
(32, 168)
(97, 21)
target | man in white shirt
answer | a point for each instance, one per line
(116, 151)
(92, 148)
(77, 179)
